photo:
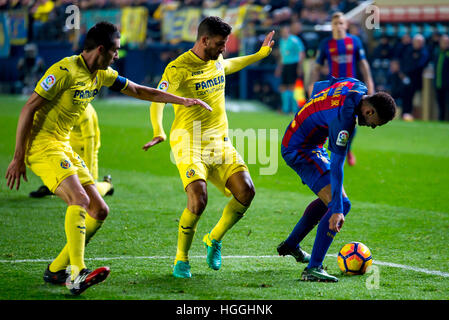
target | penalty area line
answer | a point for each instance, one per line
(375, 262)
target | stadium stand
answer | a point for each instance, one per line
(155, 31)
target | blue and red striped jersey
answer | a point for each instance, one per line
(330, 112)
(341, 55)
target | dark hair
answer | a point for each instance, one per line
(213, 26)
(103, 33)
(384, 105)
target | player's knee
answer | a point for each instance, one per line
(246, 194)
(79, 198)
(198, 205)
(197, 197)
(102, 211)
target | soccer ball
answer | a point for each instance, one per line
(354, 258)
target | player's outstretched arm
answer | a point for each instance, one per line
(367, 77)
(236, 64)
(17, 168)
(151, 94)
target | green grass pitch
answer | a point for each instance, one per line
(399, 192)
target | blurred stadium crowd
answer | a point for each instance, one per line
(158, 30)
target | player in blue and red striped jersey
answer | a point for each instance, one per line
(343, 52)
(332, 112)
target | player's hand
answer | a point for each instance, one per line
(336, 222)
(152, 143)
(193, 102)
(268, 41)
(15, 171)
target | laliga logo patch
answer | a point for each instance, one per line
(163, 86)
(190, 173)
(218, 66)
(65, 164)
(342, 139)
(48, 82)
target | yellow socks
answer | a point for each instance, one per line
(103, 187)
(92, 225)
(186, 232)
(63, 259)
(232, 213)
(75, 230)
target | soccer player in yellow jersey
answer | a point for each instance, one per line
(199, 140)
(42, 143)
(85, 141)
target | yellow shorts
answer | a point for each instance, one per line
(215, 167)
(55, 162)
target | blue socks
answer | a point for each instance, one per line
(324, 237)
(313, 213)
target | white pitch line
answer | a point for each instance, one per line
(376, 262)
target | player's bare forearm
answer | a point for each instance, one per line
(17, 168)
(367, 77)
(25, 122)
(151, 94)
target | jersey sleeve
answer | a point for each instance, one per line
(108, 77)
(359, 51)
(56, 79)
(336, 177)
(171, 79)
(170, 82)
(342, 126)
(340, 131)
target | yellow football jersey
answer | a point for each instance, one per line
(69, 86)
(191, 77)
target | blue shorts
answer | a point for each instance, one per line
(312, 165)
